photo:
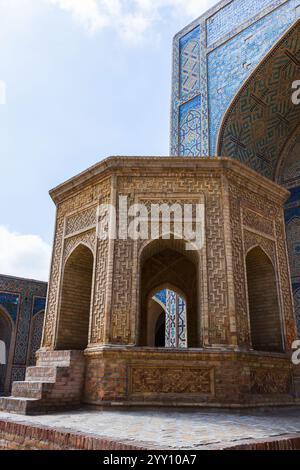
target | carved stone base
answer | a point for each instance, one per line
(135, 376)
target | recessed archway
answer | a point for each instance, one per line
(6, 329)
(167, 265)
(264, 309)
(262, 116)
(76, 292)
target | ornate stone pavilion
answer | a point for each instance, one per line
(102, 334)
(150, 322)
(22, 308)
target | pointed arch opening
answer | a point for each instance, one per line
(6, 329)
(169, 315)
(264, 308)
(74, 317)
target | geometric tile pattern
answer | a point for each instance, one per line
(224, 21)
(176, 318)
(289, 170)
(293, 241)
(190, 62)
(38, 305)
(190, 128)
(263, 116)
(230, 65)
(10, 302)
(36, 336)
(176, 335)
(231, 38)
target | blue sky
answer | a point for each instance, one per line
(84, 79)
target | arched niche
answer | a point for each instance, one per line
(75, 301)
(264, 308)
(166, 263)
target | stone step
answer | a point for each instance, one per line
(27, 389)
(41, 373)
(21, 406)
(55, 383)
(57, 358)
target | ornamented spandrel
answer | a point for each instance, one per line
(81, 220)
(258, 222)
(252, 239)
(86, 238)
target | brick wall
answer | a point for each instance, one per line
(19, 436)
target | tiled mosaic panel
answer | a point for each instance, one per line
(21, 298)
(228, 18)
(36, 336)
(182, 323)
(291, 171)
(230, 65)
(292, 217)
(161, 297)
(23, 332)
(190, 63)
(11, 304)
(176, 318)
(248, 49)
(171, 320)
(18, 374)
(38, 305)
(263, 117)
(293, 240)
(190, 128)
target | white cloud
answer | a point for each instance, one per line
(130, 18)
(86, 12)
(24, 255)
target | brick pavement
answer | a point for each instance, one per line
(172, 429)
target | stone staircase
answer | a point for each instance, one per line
(55, 383)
